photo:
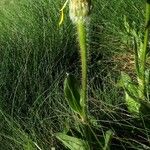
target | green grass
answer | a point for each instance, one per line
(35, 54)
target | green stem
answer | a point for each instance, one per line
(82, 35)
(81, 31)
(144, 53)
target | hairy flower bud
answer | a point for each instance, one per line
(79, 10)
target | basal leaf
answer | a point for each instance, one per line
(132, 104)
(72, 143)
(131, 94)
(72, 93)
(130, 87)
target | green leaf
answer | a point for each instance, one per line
(124, 78)
(133, 106)
(108, 137)
(72, 143)
(72, 93)
(131, 94)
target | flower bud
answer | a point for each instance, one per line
(79, 10)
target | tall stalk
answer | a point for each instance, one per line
(79, 12)
(81, 31)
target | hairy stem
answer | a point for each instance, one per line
(81, 31)
(82, 35)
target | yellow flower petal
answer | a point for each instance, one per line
(62, 12)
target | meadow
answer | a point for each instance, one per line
(35, 55)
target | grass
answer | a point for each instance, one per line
(35, 54)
